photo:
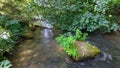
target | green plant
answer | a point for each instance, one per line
(6, 45)
(19, 9)
(14, 19)
(80, 36)
(5, 64)
(67, 42)
(70, 15)
(10, 31)
(15, 27)
(114, 6)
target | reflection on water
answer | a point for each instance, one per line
(43, 52)
(40, 52)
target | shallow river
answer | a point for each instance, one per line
(43, 52)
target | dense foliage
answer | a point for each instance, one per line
(14, 19)
(70, 15)
(10, 31)
(115, 10)
(67, 42)
(18, 9)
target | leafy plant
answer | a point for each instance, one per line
(67, 42)
(114, 13)
(5, 64)
(80, 36)
(19, 9)
(14, 18)
(15, 27)
(70, 15)
(10, 31)
(6, 45)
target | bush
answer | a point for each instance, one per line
(13, 26)
(70, 15)
(6, 45)
(10, 31)
(115, 10)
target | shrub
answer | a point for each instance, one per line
(115, 10)
(70, 15)
(13, 26)
(10, 31)
(6, 45)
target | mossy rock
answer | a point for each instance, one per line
(85, 50)
(28, 34)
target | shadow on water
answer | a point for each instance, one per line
(44, 52)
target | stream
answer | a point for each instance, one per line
(43, 52)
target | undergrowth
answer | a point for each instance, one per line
(10, 31)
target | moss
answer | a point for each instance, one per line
(94, 50)
(85, 51)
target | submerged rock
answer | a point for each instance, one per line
(85, 50)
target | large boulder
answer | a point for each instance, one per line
(85, 50)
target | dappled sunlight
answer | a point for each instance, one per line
(26, 52)
(22, 59)
(44, 51)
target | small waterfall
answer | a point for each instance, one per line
(43, 22)
(47, 33)
(46, 24)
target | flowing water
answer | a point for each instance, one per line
(43, 52)
(40, 52)
(109, 57)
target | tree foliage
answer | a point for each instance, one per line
(10, 31)
(18, 9)
(70, 15)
